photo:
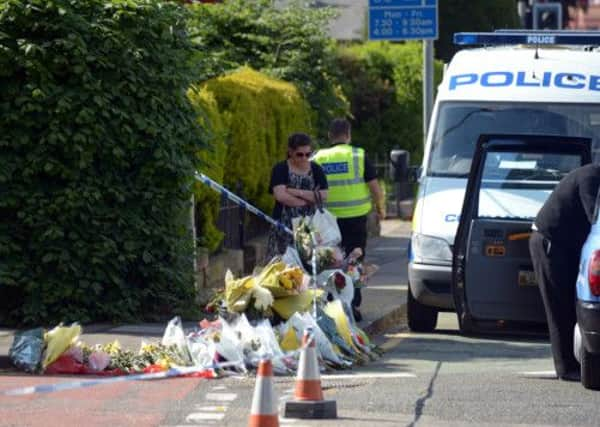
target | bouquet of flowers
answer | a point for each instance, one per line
(245, 295)
(279, 279)
(358, 271)
(238, 292)
(165, 356)
(291, 279)
(328, 257)
(303, 237)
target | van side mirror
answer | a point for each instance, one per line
(414, 173)
(399, 169)
(403, 177)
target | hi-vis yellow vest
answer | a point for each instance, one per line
(348, 194)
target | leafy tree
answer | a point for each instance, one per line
(471, 15)
(289, 43)
(98, 140)
(384, 84)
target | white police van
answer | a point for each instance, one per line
(514, 82)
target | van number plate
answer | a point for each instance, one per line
(495, 250)
(527, 278)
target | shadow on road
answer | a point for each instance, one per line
(452, 347)
(389, 366)
(500, 335)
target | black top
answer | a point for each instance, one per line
(370, 171)
(567, 215)
(281, 176)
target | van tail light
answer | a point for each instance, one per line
(594, 273)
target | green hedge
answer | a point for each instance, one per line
(211, 161)
(256, 114)
(384, 84)
(97, 139)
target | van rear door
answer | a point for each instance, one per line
(511, 177)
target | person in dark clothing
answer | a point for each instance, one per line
(560, 230)
(293, 184)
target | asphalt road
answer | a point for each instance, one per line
(440, 379)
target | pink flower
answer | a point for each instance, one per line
(339, 281)
(98, 361)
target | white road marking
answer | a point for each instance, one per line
(237, 377)
(210, 408)
(539, 374)
(204, 416)
(374, 375)
(219, 387)
(221, 397)
(208, 414)
(287, 393)
(388, 288)
(288, 421)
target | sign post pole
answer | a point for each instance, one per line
(397, 20)
(427, 86)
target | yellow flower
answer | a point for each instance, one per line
(164, 363)
(149, 348)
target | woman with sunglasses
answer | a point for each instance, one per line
(293, 184)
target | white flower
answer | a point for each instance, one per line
(263, 298)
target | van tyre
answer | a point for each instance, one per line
(421, 318)
(465, 324)
(590, 369)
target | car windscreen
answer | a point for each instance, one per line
(515, 185)
(459, 125)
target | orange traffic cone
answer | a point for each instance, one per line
(308, 381)
(308, 396)
(264, 409)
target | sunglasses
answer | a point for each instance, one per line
(301, 154)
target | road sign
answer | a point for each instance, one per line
(400, 3)
(403, 20)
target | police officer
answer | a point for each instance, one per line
(352, 182)
(560, 230)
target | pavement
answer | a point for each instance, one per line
(384, 299)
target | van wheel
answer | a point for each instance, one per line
(421, 318)
(465, 324)
(590, 369)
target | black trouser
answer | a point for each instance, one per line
(556, 270)
(354, 235)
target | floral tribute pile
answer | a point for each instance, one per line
(261, 315)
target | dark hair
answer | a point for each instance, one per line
(339, 127)
(297, 140)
